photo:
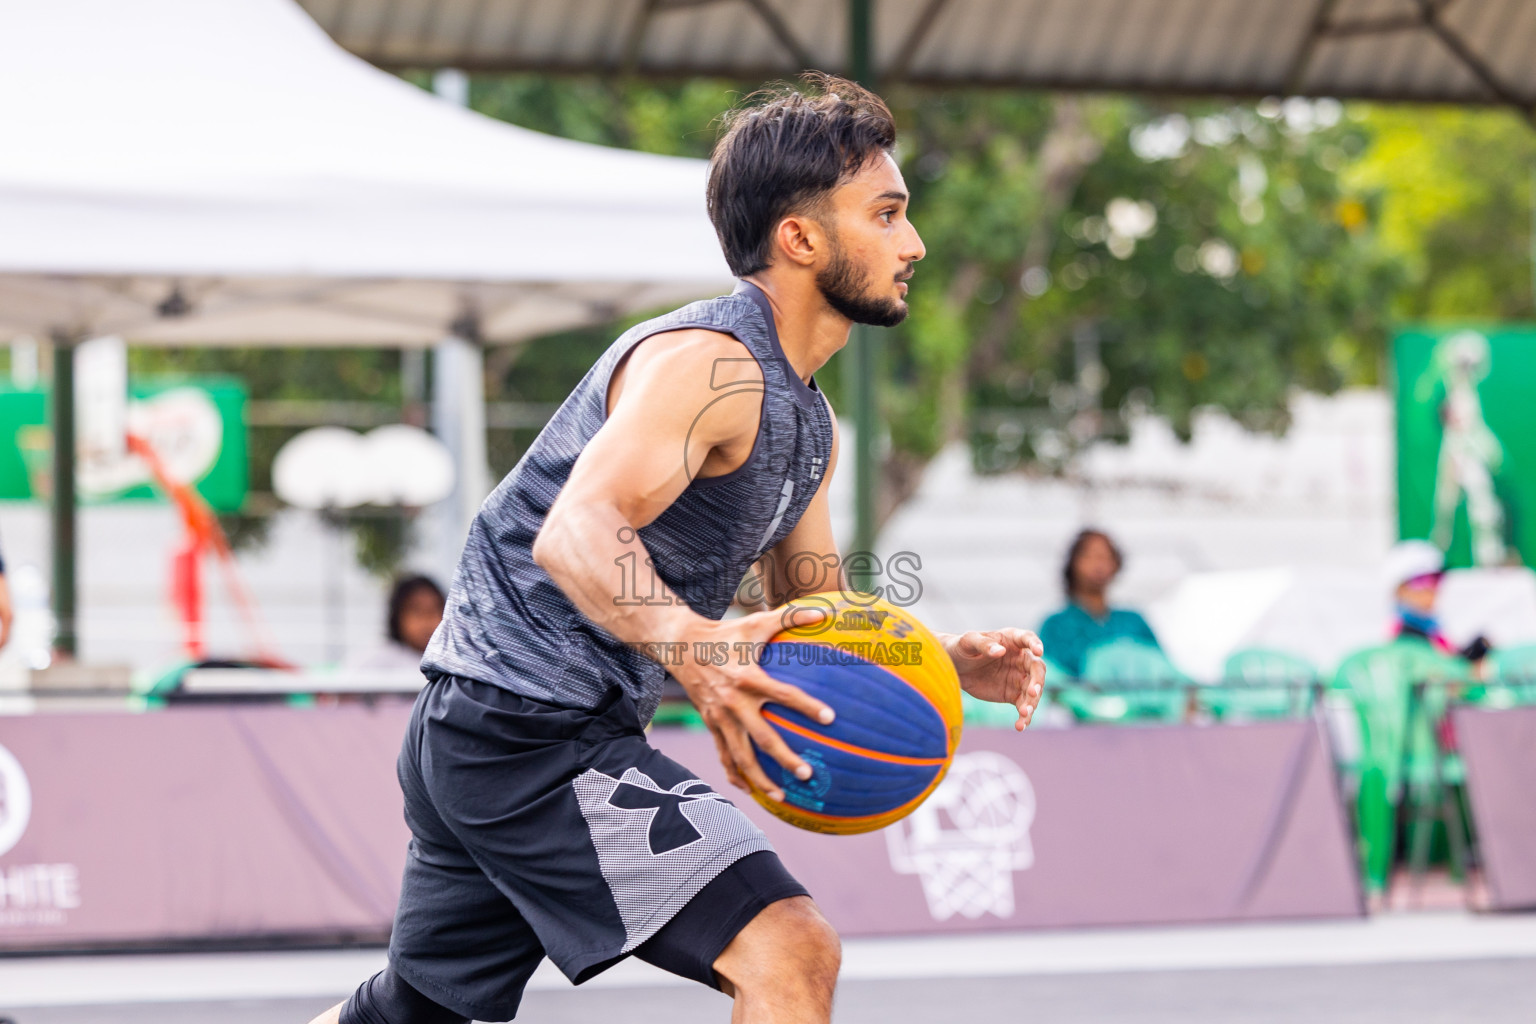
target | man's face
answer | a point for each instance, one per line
(872, 246)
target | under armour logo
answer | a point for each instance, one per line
(670, 828)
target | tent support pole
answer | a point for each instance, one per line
(458, 394)
(458, 420)
(861, 366)
(62, 413)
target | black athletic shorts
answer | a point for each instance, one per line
(546, 831)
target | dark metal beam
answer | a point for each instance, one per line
(1474, 62)
(634, 42)
(755, 73)
(1302, 59)
(62, 510)
(1374, 26)
(781, 32)
(1429, 18)
(860, 363)
(916, 37)
(861, 43)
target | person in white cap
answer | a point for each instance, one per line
(1415, 568)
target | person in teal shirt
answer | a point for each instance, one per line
(1093, 562)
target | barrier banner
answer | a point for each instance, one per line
(262, 822)
(1498, 749)
(1088, 826)
(199, 822)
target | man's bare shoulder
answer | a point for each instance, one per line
(700, 382)
(713, 359)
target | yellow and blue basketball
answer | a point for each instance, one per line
(898, 715)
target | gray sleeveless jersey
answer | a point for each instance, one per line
(507, 623)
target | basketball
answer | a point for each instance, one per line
(897, 702)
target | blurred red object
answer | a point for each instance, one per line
(204, 535)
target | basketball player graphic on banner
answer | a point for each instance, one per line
(1470, 452)
(695, 452)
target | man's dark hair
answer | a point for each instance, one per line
(784, 152)
(1069, 574)
(406, 587)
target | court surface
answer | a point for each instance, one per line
(1418, 968)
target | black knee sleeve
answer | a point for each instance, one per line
(385, 998)
(690, 943)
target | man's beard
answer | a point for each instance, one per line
(846, 288)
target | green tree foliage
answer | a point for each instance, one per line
(673, 118)
(1454, 191)
(1035, 319)
(1092, 256)
(1087, 257)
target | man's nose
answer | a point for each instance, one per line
(915, 249)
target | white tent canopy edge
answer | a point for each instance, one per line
(224, 173)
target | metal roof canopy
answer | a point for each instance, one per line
(1459, 51)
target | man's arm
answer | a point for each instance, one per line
(667, 423)
(806, 560)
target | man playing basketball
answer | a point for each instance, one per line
(698, 446)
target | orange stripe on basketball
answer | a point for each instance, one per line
(849, 748)
(835, 825)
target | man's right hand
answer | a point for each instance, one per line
(730, 697)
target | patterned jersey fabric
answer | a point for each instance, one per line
(508, 624)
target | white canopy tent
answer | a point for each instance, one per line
(180, 172)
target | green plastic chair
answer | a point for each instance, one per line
(678, 713)
(988, 714)
(1128, 681)
(1398, 745)
(1258, 683)
(155, 691)
(1511, 678)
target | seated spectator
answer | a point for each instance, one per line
(1092, 564)
(415, 608)
(1415, 568)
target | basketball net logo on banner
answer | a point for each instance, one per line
(966, 841)
(15, 801)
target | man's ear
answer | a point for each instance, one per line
(799, 239)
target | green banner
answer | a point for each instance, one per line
(1466, 442)
(197, 426)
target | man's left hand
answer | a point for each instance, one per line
(1000, 665)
